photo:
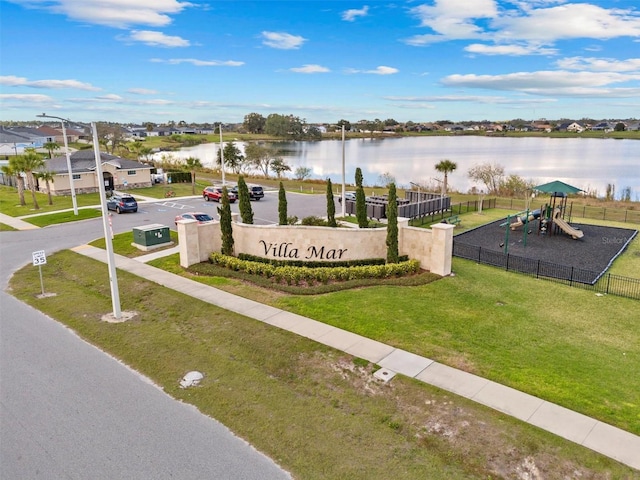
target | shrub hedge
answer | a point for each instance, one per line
(294, 275)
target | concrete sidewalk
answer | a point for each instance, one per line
(588, 432)
(16, 222)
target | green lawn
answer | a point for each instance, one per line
(10, 202)
(563, 344)
(63, 217)
(312, 409)
(123, 244)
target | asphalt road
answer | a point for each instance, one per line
(70, 411)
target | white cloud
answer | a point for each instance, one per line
(600, 64)
(381, 70)
(352, 14)
(578, 20)
(113, 13)
(519, 27)
(117, 99)
(560, 83)
(310, 69)
(511, 50)
(485, 99)
(142, 91)
(14, 81)
(198, 63)
(27, 98)
(152, 38)
(282, 40)
(455, 18)
(111, 97)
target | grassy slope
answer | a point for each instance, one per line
(314, 410)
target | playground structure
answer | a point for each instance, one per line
(565, 227)
(550, 218)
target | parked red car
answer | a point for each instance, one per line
(215, 193)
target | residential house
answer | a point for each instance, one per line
(118, 173)
(603, 126)
(571, 127)
(14, 140)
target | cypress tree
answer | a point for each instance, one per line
(331, 205)
(392, 226)
(225, 223)
(361, 205)
(244, 200)
(282, 205)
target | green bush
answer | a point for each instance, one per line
(317, 264)
(314, 221)
(294, 275)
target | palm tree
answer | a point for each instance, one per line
(48, 178)
(14, 169)
(51, 147)
(446, 166)
(32, 162)
(192, 164)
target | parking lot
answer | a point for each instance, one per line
(265, 211)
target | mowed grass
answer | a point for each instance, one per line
(123, 244)
(10, 202)
(63, 217)
(314, 410)
(563, 344)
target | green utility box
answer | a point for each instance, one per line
(153, 235)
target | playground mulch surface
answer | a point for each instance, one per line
(592, 254)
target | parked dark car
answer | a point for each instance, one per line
(215, 193)
(255, 192)
(122, 203)
(200, 217)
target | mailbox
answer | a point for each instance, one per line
(151, 235)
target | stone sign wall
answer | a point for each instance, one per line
(432, 248)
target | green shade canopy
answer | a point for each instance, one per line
(557, 186)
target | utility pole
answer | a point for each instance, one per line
(66, 151)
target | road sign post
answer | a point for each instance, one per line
(39, 259)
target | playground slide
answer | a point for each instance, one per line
(566, 228)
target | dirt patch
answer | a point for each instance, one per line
(482, 439)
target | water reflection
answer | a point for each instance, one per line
(587, 163)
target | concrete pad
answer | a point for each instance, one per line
(370, 350)
(615, 443)
(563, 422)
(384, 374)
(339, 339)
(453, 380)
(406, 363)
(508, 400)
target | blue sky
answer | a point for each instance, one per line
(163, 60)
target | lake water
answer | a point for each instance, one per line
(587, 163)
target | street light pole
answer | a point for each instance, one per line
(66, 150)
(111, 262)
(344, 214)
(222, 156)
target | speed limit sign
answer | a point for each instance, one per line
(39, 258)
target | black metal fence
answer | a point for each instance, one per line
(456, 209)
(572, 276)
(423, 205)
(580, 211)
